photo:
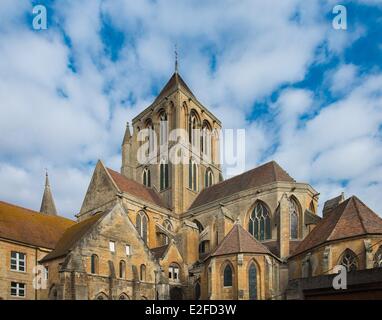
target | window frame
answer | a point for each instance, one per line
(230, 279)
(259, 222)
(17, 287)
(16, 263)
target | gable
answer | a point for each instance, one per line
(100, 191)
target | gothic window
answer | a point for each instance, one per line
(146, 177)
(192, 175)
(227, 281)
(142, 275)
(123, 296)
(163, 129)
(199, 225)
(206, 139)
(293, 214)
(94, 264)
(252, 282)
(259, 224)
(168, 226)
(164, 178)
(193, 126)
(141, 224)
(122, 269)
(151, 135)
(209, 178)
(349, 260)
(102, 296)
(378, 258)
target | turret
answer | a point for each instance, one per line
(127, 165)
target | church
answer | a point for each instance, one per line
(156, 229)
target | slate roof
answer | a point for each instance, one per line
(71, 236)
(238, 240)
(349, 219)
(264, 174)
(332, 203)
(136, 189)
(31, 227)
(159, 251)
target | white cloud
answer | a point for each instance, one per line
(57, 118)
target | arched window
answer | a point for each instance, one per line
(378, 258)
(193, 175)
(102, 296)
(168, 226)
(142, 274)
(197, 291)
(163, 132)
(146, 177)
(259, 224)
(252, 282)
(227, 282)
(173, 272)
(122, 269)
(164, 179)
(206, 145)
(209, 178)
(349, 260)
(141, 224)
(123, 296)
(94, 264)
(151, 134)
(199, 225)
(293, 214)
(193, 126)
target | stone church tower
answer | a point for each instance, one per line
(175, 116)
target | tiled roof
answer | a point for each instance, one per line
(136, 189)
(274, 246)
(238, 240)
(159, 251)
(31, 227)
(71, 236)
(267, 173)
(332, 203)
(349, 219)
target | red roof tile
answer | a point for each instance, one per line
(267, 173)
(349, 219)
(31, 227)
(238, 240)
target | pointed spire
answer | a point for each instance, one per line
(127, 137)
(47, 203)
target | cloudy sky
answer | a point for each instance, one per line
(308, 95)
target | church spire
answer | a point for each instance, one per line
(127, 137)
(47, 203)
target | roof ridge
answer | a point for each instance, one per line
(33, 211)
(354, 199)
(345, 204)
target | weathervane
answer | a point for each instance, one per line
(176, 58)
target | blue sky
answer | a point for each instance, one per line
(309, 96)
